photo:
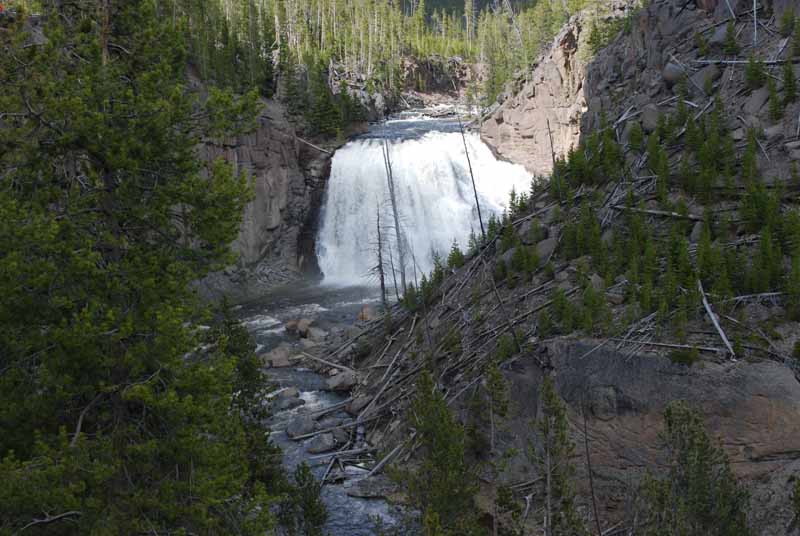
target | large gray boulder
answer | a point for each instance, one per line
(342, 382)
(321, 443)
(301, 426)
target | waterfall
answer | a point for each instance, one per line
(435, 200)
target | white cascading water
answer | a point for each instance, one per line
(435, 201)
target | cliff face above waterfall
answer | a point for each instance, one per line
(275, 242)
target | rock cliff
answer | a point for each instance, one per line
(288, 180)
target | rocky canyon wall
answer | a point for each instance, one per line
(568, 89)
(276, 240)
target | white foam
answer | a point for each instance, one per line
(434, 193)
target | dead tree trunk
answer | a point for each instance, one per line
(401, 258)
(472, 176)
(394, 275)
(381, 275)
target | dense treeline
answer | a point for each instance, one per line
(246, 44)
(249, 43)
(126, 407)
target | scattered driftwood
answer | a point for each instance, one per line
(659, 213)
(337, 454)
(386, 459)
(331, 429)
(317, 147)
(714, 319)
(740, 62)
(329, 363)
(666, 345)
(50, 519)
(748, 297)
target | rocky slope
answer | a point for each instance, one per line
(620, 377)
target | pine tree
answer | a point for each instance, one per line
(699, 494)
(754, 73)
(324, 117)
(787, 22)
(795, 47)
(552, 455)
(731, 47)
(789, 83)
(306, 513)
(793, 289)
(775, 102)
(117, 411)
(444, 484)
(455, 259)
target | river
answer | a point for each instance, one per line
(436, 207)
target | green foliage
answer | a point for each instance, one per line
(698, 495)
(754, 73)
(525, 260)
(787, 22)
(508, 237)
(323, 115)
(793, 289)
(455, 259)
(795, 46)
(452, 342)
(500, 270)
(552, 453)
(636, 139)
(444, 484)
(775, 102)
(506, 348)
(730, 46)
(685, 357)
(305, 513)
(563, 311)
(497, 388)
(602, 32)
(113, 403)
(493, 227)
(789, 83)
(701, 43)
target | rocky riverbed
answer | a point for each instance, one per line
(314, 420)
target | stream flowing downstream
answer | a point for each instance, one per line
(436, 206)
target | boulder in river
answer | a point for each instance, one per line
(279, 357)
(285, 404)
(301, 426)
(344, 381)
(291, 327)
(316, 334)
(357, 405)
(321, 443)
(303, 325)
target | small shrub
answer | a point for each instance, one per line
(456, 258)
(775, 102)
(754, 73)
(789, 83)
(731, 47)
(685, 356)
(787, 22)
(452, 342)
(701, 43)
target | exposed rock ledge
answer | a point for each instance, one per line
(752, 408)
(276, 240)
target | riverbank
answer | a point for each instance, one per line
(313, 420)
